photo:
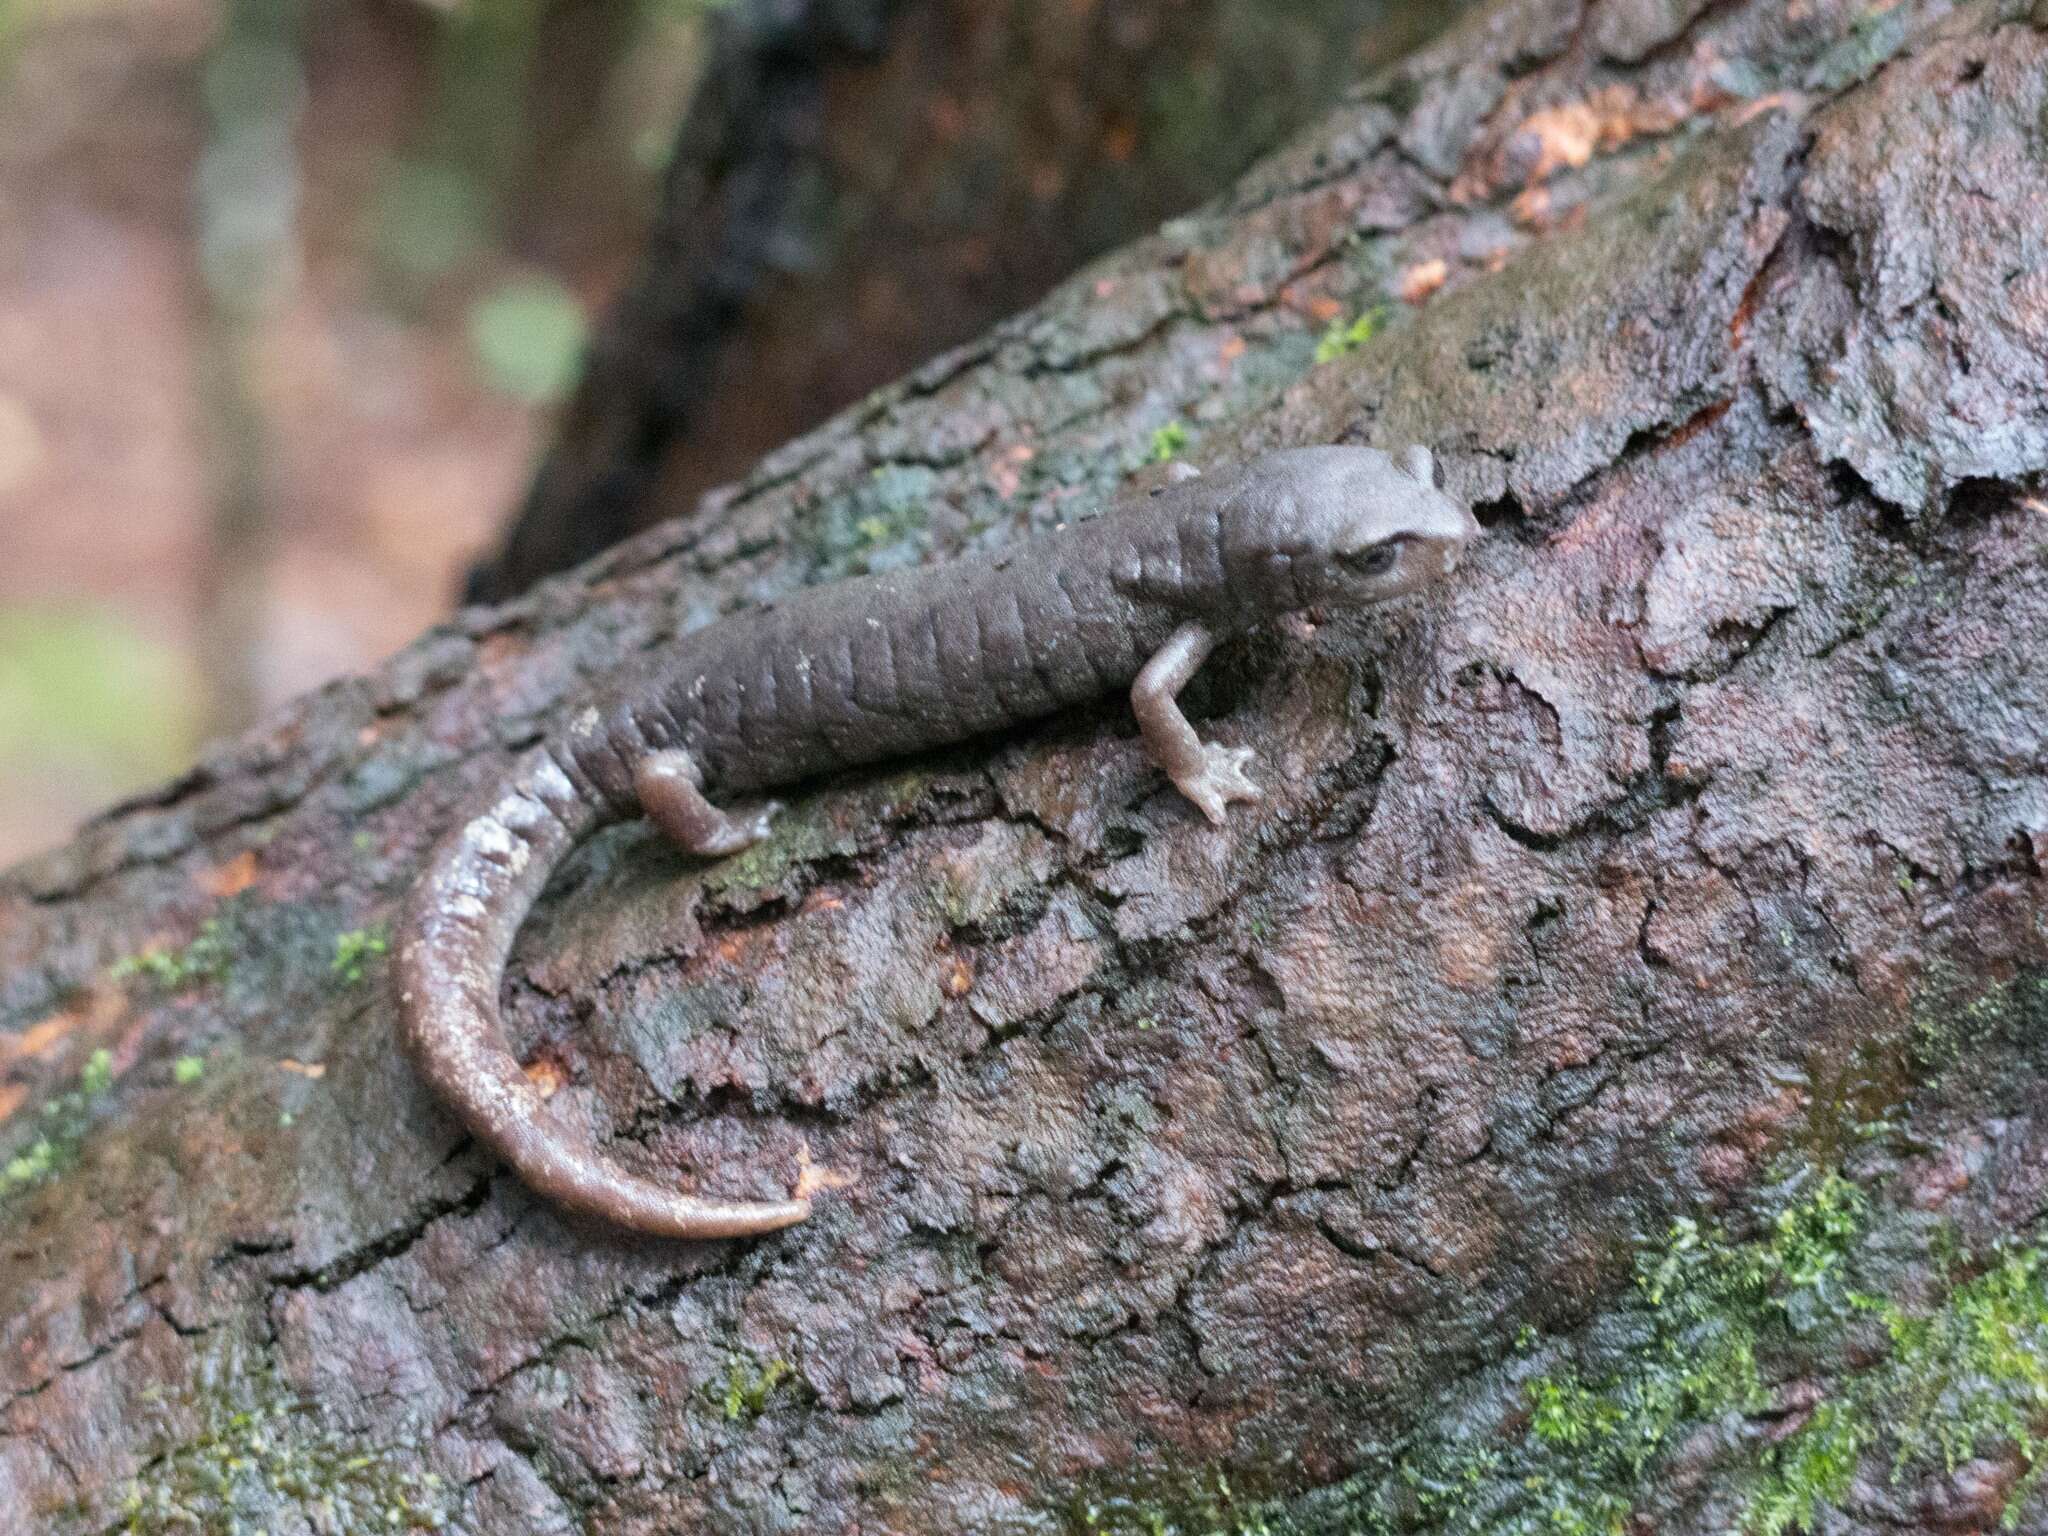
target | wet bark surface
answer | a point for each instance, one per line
(1600, 1082)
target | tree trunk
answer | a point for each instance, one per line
(1603, 1087)
(861, 184)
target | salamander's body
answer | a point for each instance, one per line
(875, 668)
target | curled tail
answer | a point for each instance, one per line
(451, 951)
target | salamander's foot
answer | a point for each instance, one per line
(741, 831)
(668, 786)
(1219, 780)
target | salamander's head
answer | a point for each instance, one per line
(1346, 526)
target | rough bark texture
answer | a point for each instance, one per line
(1604, 1083)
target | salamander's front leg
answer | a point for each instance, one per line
(1211, 776)
(671, 791)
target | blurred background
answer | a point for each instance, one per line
(317, 316)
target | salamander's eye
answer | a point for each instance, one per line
(1376, 561)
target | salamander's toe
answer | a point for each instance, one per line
(1220, 780)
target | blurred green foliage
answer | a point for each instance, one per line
(528, 336)
(81, 687)
(61, 1129)
(246, 204)
(1348, 336)
(1168, 442)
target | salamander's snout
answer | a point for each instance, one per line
(1353, 526)
(1467, 534)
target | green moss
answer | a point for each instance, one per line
(1810, 1472)
(1168, 442)
(261, 1452)
(1348, 336)
(1709, 1321)
(1974, 1373)
(1955, 1015)
(800, 834)
(1713, 1308)
(353, 951)
(61, 1129)
(206, 959)
(748, 1386)
(187, 1070)
(1188, 1505)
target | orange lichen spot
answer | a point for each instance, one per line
(1422, 280)
(93, 1015)
(1790, 101)
(546, 1074)
(1120, 141)
(1531, 207)
(231, 878)
(812, 1179)
(1562, 138)
(1567, 136)
(1698, 422)
(959, 978)
(37, 1038)
(1234, 347)
(311, 1070)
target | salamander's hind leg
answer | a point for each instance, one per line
(1211, 776)
(671, 791)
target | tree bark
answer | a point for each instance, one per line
(1604, 1086)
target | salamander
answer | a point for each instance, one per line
(878, 667)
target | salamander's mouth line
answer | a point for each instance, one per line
(875, 668)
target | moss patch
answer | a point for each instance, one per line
(1168, 442)
(1715, 1319)
(1190, 1505)
(1730, 1352)
(1955, 1015)
(261, 1452)
(60, 1132)
(1348, 336)
(205, 959)
(749, 1385)
(355, 950)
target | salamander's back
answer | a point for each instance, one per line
(901, 662)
